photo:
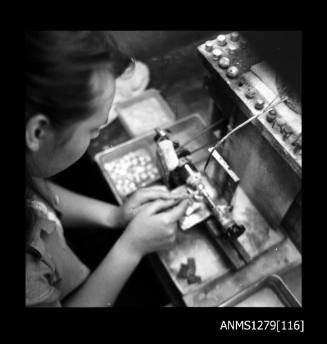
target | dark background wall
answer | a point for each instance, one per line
(283, 49)
(147, 44)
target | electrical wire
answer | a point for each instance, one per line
(266, 109)
(203, 132)
(203, 146)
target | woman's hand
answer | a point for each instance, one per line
(154, 226)
(142, 196)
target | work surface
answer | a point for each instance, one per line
(270, 250)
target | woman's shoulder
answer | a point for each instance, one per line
(43, 211)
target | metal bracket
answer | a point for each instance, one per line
(232, 250)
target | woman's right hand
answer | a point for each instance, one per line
(154, 227)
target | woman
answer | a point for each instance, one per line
(70, 86)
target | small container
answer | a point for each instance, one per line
(169, 154)
(224, 62)
(271, 116)
(221, 40)
(234, 36)
(259, 104)
(209, 45)
(232, 72)
(217, 54)
(250, 93)
(232, 48)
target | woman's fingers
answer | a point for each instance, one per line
(176, 213)
(150, 194)
(157, 187)
(180, 192)
(156, 193)
(159, 205)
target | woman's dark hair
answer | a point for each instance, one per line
(59, 67)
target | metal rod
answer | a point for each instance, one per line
(203, 146)
(203, 132)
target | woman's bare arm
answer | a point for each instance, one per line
(82, 211)
(104, 284)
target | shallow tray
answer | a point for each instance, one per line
(145, 112)
(270, 292)
(181, 130)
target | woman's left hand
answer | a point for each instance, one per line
(143, 196)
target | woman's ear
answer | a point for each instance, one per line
(36, 129)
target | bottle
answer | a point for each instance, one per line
(166, 150)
